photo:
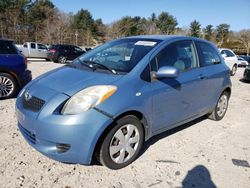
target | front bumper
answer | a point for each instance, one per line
(65, 138)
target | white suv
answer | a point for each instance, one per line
(230, 58)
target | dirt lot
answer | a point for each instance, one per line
(198, 154)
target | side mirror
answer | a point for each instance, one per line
(167, 72)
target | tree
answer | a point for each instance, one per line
(222, 32)
(128, 26)
(244, 38)
(84, 25)
(166, 23)
(208, 32)
(40, 11)
(195, 29)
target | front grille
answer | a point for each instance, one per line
(34, 104)
(28, 135)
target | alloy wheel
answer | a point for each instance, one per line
(222, 105)
(62, 59)
(6, 87)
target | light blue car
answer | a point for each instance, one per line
(109, 101)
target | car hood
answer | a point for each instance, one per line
(70, 80)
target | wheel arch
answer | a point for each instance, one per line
(13, 75)
(135, 113)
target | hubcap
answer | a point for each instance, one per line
(124, 143)
(62, 59)
(222, 105)
(6, 86)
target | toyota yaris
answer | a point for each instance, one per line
(109, 101)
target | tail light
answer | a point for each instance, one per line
(52, 50)
(25, 61)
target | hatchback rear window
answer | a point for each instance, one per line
(7, 47)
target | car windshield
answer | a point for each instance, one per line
(119, 55)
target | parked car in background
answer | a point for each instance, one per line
(242, 62)
(13, 69)
(246, 57)
(246, 75)
(61, 53)
(34, 50)
(230, 59)
(104, 107)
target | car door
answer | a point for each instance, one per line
(42, 51)
(212, 67)
(177, 100)
(33, 50)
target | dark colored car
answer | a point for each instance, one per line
(246, 57)
(61, 53)
(246, 75)
(13, 69)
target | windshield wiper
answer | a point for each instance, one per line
(100, 65)
(85, 64)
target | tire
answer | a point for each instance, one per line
(8, 86)
(220, 108)
(234, 69)
(61, 59)
(119, 150)
(47, 59)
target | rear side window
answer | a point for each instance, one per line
(208, 55)
(41, 47)
(7, 48)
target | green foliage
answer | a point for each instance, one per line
(222, 31)
(83, 21)
(131, 26)
(195, 29)
(208, 32)
(166, 23)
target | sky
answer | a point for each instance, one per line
(236, 13)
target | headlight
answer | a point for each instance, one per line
(88, 98)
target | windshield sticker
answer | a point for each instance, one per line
(145, 43)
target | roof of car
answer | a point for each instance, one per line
(3, 39)
(164, 37)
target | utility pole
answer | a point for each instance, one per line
(76, 34)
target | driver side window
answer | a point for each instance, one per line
(181, 55)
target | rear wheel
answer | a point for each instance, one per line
(61, 59)
(122, 143)
(8, 86)
(234, 69)
(221, 107)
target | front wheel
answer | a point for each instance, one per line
(220, 108)
(234, 69)
(8, 86)
(122, 143)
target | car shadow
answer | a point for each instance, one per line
(165, 134)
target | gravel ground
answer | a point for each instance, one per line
(198, 154)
